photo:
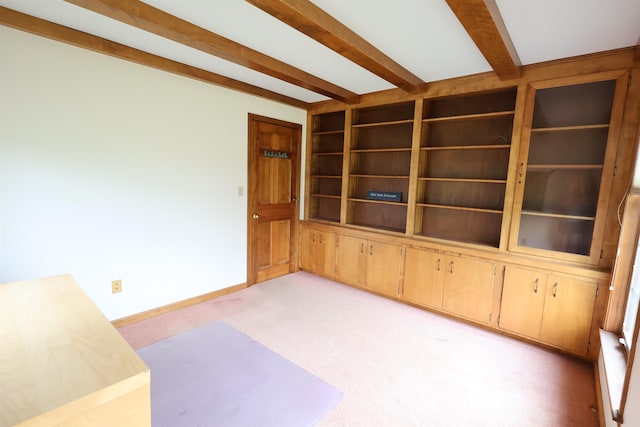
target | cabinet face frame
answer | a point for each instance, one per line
(621, 78)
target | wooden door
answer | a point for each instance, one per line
(523, 296)
(351, 260)
(424, 277)
(273, 188)
(468, 288)
(383, 268)
(568, 311)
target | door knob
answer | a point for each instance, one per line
(256, 216)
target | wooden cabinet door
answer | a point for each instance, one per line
(325, 253)
(568, 311)
(383, 267)
(351, 260)
(307, 250)
(523, 295)
(468, 288)
(424, 277)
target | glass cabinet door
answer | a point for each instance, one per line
(565, 169)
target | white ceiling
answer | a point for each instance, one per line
(424, 36)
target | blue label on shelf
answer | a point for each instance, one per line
(387, 196)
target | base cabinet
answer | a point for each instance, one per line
(554, 307)
(547, 307)
(369, 264)
(468, 288)
(523, 294)
(460, 286)
(568, 311)
(317, 252)
(424, 278)
(351, 260)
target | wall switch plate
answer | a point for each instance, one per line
(116, 286)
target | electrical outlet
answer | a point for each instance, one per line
(116, 286)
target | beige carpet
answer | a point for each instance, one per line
(396, 365)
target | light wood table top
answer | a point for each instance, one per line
(59, 355)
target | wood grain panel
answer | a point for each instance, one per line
(523, 295)
(568, 312)
(63, 363)
(351, 260)
(424, 277)
(468, 289)
(383, 266)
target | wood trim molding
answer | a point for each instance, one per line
(118, 323)
(618, 60)
(156, 21)
(40, 27)
(311, 20)
(482, 20)
(599, 398)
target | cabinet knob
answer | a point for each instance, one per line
(256, 216)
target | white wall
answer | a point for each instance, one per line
(112, 170)
(632, 408)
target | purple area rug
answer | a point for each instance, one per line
(215, 375)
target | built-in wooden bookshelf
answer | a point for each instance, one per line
(563, 171)
(380, 160)
(327, 149)
(510, 196)
(453, 174)
(464, 159)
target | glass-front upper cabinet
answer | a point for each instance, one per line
(565, 167)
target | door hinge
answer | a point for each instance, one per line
(588, 347)
(601, 253)
(498, 319)
(495, 270)
(597, 292)
(629, 81)
(615, 170)
(504, 272)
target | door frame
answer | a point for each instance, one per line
(295, 191)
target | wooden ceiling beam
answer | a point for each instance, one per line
(309, 19)
(40, 27)
(483, 22)
(156, 21)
